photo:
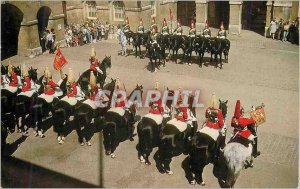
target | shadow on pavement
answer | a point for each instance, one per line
(17, 173)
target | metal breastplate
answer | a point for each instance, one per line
(192, 31)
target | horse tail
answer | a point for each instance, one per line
(145, 139)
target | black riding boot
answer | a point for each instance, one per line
(255, 152)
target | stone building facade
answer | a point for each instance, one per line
(29, 17)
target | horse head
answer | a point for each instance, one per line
(4, 70)
(223, 107)
(17, 70)
(33, 74)
(106, 62)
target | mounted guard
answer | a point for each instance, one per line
(94, 61)
(215, 125)
(206, 32)
(244, 127)
(141, 28)
(165, 28)
(126, 28)
(222, 32)
(192, 31)
(178, 30)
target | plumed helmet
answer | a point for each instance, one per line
(118, 83)
(164, 21)
(192, 23)
(213, 101)
(92, 79)
(237, 112)
(222, 25)
(156, 85)
(178, 22)
(141, 20)
(24, 70)
(206, 24)
(47, 73)
(71, 76)
(93, 52)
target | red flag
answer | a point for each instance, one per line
(59, 60)
(171, 15)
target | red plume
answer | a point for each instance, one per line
(237, 112)
(206, 23)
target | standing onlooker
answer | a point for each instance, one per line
(102, 31)
(49, 40)
(279, 31)
(285, 30)
(43, 40)
(273, 28)
(106, 30)
(122, 39)
(52, 48)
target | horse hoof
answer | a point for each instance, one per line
(60, 142)
(142, 160)
(89, 143)
(169, 172)
(193, 182)
(148, 163)
(202, 183)
(82, 144)
(59, 138)
(63, 138)
(190, 64)
(113, 156)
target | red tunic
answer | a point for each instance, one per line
(73, 90)
(14, 82)
(52, 84)
(120, 103)
(159, 108)
(220, 121)
(242, 122)
(94, 64)
(94, 92)
(184, 115)
(27, 85)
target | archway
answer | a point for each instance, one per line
(11, 18)
(43, 18)
(254, 16)
(186, 11)
(218, 11)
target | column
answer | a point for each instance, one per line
(201, 14)
(268, 16)
(235, 18)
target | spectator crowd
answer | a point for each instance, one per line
(285, 30)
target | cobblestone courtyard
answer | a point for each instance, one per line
(259, 70)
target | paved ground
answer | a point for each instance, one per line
(259, 70)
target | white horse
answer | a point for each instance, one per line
(236, 155)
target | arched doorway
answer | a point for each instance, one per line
(11, 18)
(43, 18)
(254, 16)
(218, 11)
(186, 11)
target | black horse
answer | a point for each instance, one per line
(204, 149)
(174, 141)
(83, 80)
(226, 48)
(216, 50)
(114, 123)
(85, 114)
(41, 109)
(139, 40)
(200, 45)
(149, 133)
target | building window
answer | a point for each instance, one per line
(153, 8)
(91, 10)
(119, 13)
